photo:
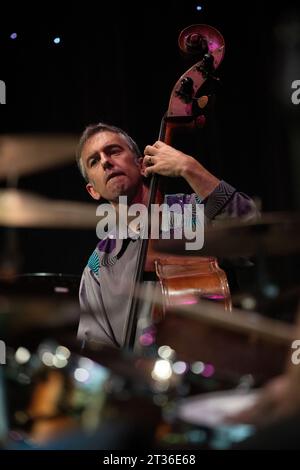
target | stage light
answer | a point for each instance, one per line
(47, 358)
(22, 355)
(208, 371)
(56, 40)
(81, 375)
(198, 7)
(162, 370)
(165, 352)
(59, 362)
(197, 367)
(13, 36)
(62, 352)
(179, 367)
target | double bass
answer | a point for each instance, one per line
(183, 280)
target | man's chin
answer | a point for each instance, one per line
(117, 187)
(114, 195)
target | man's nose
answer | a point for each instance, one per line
(106, 162)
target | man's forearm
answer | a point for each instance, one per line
(200, 180)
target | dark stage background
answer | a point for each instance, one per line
(117, 62)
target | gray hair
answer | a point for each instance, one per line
(94, 129)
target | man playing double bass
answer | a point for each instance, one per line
(113, 166)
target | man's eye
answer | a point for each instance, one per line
(93, 161)
(115, 151)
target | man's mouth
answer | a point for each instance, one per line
(113, 175)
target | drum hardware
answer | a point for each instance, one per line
(55, 394)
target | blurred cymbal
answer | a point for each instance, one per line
(238, 320)
(25, 154)
(24, 209)
(236, 343)
(273, 234)
(19, 313)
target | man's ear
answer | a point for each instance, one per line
(92, 191)
(141, 165)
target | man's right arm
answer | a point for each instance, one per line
(93, 325)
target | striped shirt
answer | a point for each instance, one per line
(107, 279)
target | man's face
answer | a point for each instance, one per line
(111, 166)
